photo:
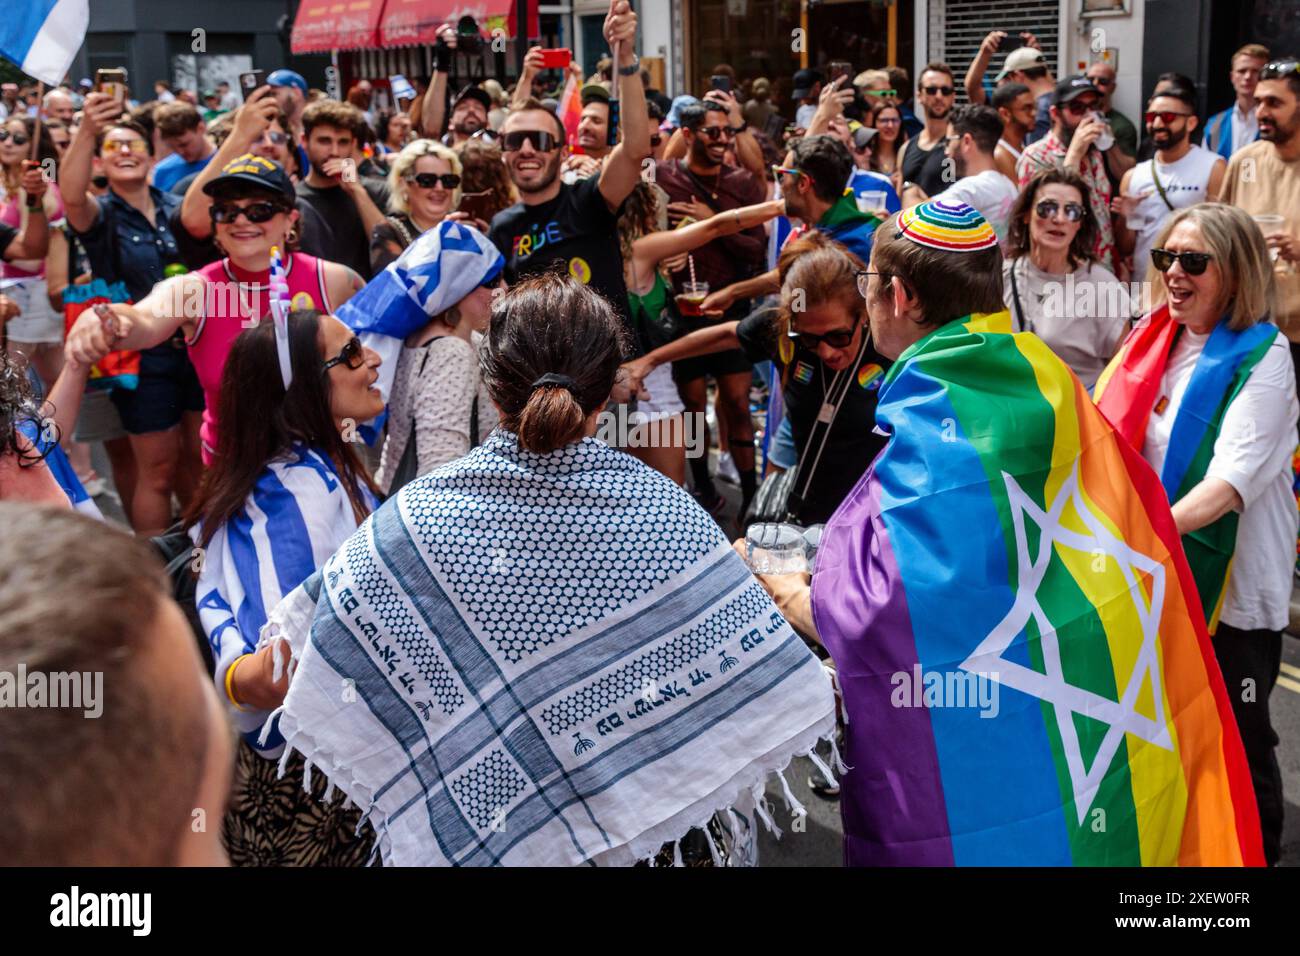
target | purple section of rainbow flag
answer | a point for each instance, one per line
(909, 794)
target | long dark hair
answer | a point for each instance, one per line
(261, 422)
(1018, 229)
(45, 150)
(551, 324)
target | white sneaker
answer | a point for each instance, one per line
(726, 470)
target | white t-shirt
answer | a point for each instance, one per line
(1253, 454)
(1082, 316)
(1184, 183)
(990, 193)
(804, 114)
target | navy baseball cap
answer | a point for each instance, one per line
(256, 170)
(287, 78)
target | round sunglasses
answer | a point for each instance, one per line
(430, 180)
(254, 212)
(1193, 263)
(353, 355)
(1048, 208)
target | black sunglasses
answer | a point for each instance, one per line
(937, 90)
(1193, 263)
(352, 355)
(837, 339)
(255, 212)
(714, 132)
(20, 139)
(542, 141)
(1048, 208)
(429, 180)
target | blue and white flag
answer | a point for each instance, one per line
(296, 516)
(435, 272)
(42, 36)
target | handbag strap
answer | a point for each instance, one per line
(401, 229)
(1015, 294)
(1159, 188)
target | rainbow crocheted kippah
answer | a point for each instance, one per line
(952, 227)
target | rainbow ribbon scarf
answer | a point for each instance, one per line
(1128, 391)
(1026, 674)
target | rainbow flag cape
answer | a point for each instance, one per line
(1026, 674)
(1129, 389)
(570, 110)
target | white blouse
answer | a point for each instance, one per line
(1253, 454)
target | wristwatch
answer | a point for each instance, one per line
(632, 69)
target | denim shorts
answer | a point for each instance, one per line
(169, 387)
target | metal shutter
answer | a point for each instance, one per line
(957, 27)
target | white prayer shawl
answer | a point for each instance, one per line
(545, 660)
(296, 517)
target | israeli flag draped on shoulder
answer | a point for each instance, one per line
(435, 272)
(42, 36)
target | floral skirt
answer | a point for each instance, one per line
(275, 822)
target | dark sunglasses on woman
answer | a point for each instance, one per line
(1193, 263)
(20, 139)
(429, 180)
(542, 141)
(254, 212)
(353, 355)
(836, 339)
(1048, 208)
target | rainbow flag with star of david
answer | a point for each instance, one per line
(1026, 672)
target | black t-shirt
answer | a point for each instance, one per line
(575, 228)
(925, 167)
(853, 443)
(346, 240)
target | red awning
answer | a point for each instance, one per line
(324, 25)
(408, 22)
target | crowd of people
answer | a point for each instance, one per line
(347, 366)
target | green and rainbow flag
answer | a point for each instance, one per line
(1129, 389)
(1026, 671)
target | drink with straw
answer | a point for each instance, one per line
(693, 294)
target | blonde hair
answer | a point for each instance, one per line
(405, 161)
(1256, 51)
(1249, 290)
(872, 76)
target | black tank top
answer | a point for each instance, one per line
(925, 167)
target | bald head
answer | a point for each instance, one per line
(58, 105)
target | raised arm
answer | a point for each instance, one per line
(75, 171)
(33, 239)
(251, 122)
(433, 111)
(622, 170)
(830, 105)
(974, 81)
(524, 87)
(748, 153)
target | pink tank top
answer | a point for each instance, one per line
(234, 296)
(11, 215)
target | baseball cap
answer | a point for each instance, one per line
(84, 83)
(1023, 58)
(863, 135)
(593, 93)
(473, 92)
(804, 81)
(287, 78)
(256, 170)
(1072, 87)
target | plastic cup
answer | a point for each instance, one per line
(872, 200)
(776, 549)
(692, 297)
(1270, 224)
